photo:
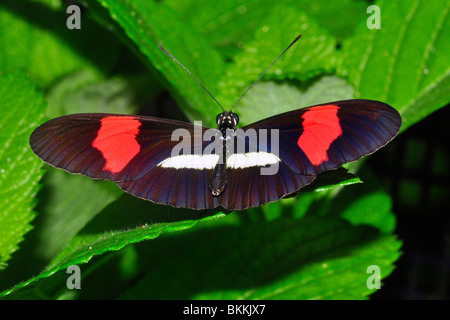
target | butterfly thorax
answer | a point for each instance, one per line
(225, 121)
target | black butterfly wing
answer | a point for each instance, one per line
(324, 137)
(311, 140)
(127, 150)
(132, 150)
(247, 187)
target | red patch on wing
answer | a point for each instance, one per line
(320, 128)
(116, 140)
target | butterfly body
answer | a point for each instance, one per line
(227, 122)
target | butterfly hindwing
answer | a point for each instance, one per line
(247, 187)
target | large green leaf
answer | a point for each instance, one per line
(316, 257)
(405, 63)
(22, 107)
(68, 203)
(84, 92)
(93, 236)
(231, 24)
(123, 222)
(231, 258)
(145, 23)
(269, 98)
(313, 54)
(38, 41)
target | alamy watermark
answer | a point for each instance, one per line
(374, 280)
(244, 148)
(374, 20)
(74, 20)
(74, 280)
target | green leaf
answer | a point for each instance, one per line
(145, 23)
(39, 42)
(143, 220)
(316, 257)
(283, 258)
(63, 213)
(229, 25)
(325, 13)
(367, 204)
(84, 92)
(22, 108)
(269, 98)
(226, 24)
(332, 179)
(313, 54)
(405, 63)
(122, 222)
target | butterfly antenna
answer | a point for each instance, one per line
(248, 89)
(201, 85)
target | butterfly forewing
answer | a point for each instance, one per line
(128, 150)
(324, 137)
(66, 143)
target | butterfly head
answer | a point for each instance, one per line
(227, 120)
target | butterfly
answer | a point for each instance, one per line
(187, 165)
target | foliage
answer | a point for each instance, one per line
(317, 245)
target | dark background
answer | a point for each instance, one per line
(416, 167)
